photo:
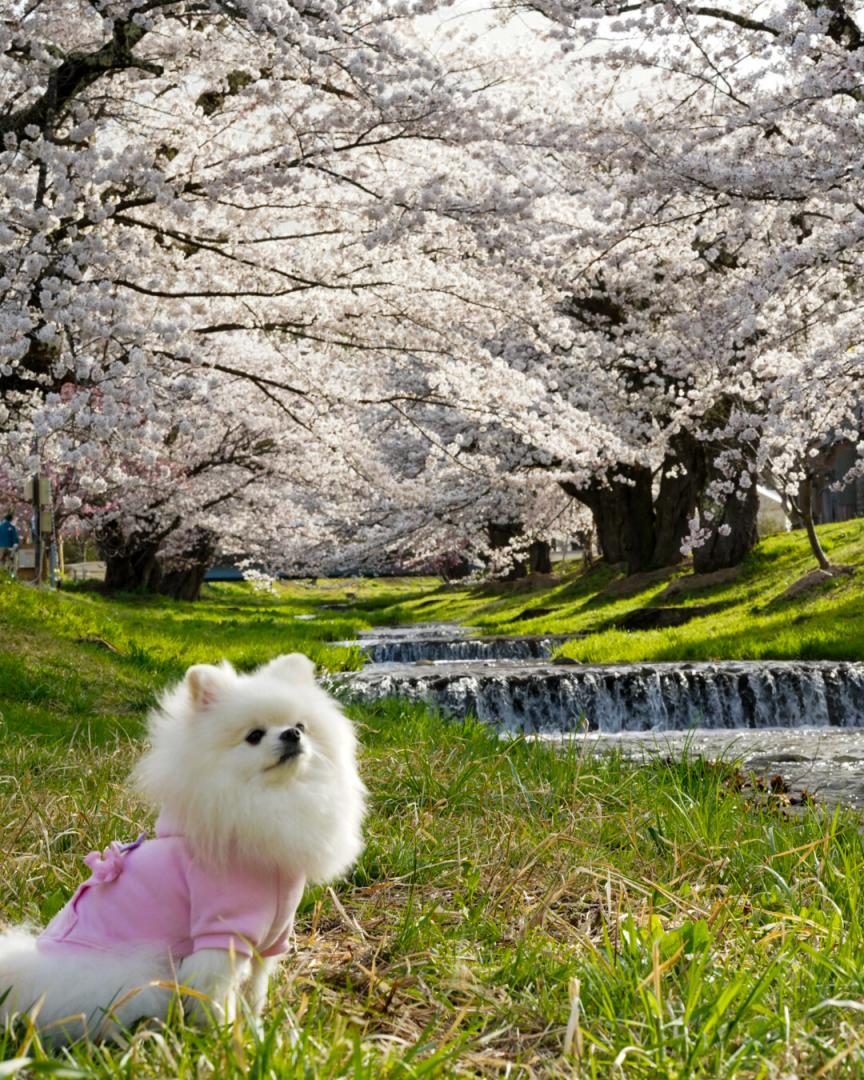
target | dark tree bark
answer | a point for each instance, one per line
(586, 542)
(501, 534)
(721, 552)
(738, 514)
(184, 578)
(645, 529)
(130, 561)
(632, 526)
(623, 512)
(540, 557)
(806, 509)
(76, 72)
(682, 481)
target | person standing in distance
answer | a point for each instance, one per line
(9, 541)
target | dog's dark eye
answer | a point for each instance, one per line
(300, 727)
(255, 736)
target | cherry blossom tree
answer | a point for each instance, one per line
(285, 263)
(198, 191)
(736, 130)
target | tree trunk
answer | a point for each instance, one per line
(737, 514)
(806, 507)
(624, 517)
(540, 557)
(720, 552)
(681, 483)
(586, 542)
(501, 534)
(182, 578)
(130, 561)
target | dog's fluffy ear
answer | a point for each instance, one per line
(292, 667)
(206, 683)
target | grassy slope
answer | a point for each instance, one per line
(505, 888)
(754, 623)
(99, 661)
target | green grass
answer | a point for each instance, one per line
(754, 622)
(98, 661)
(517, 911)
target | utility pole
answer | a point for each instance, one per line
(37, 490)
(35, 529)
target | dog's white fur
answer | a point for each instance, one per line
(226, 797)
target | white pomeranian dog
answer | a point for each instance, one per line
(256, 779)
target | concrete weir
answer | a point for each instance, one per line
(527, 696)
(436, 642)
(801, 719)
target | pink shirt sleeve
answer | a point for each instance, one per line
(230, 910)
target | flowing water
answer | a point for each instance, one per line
(532, 697)
(435, 642)
(826, 762)
(801, 719)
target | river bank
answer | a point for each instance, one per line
(608, 616)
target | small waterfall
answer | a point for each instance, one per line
(439, 643)
(418, 650)
(534, 697)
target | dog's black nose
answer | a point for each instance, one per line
(290, 735)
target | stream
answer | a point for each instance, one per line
(803, 720)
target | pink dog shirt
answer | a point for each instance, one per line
(153, 892)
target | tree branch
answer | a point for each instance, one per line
(76, 73)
